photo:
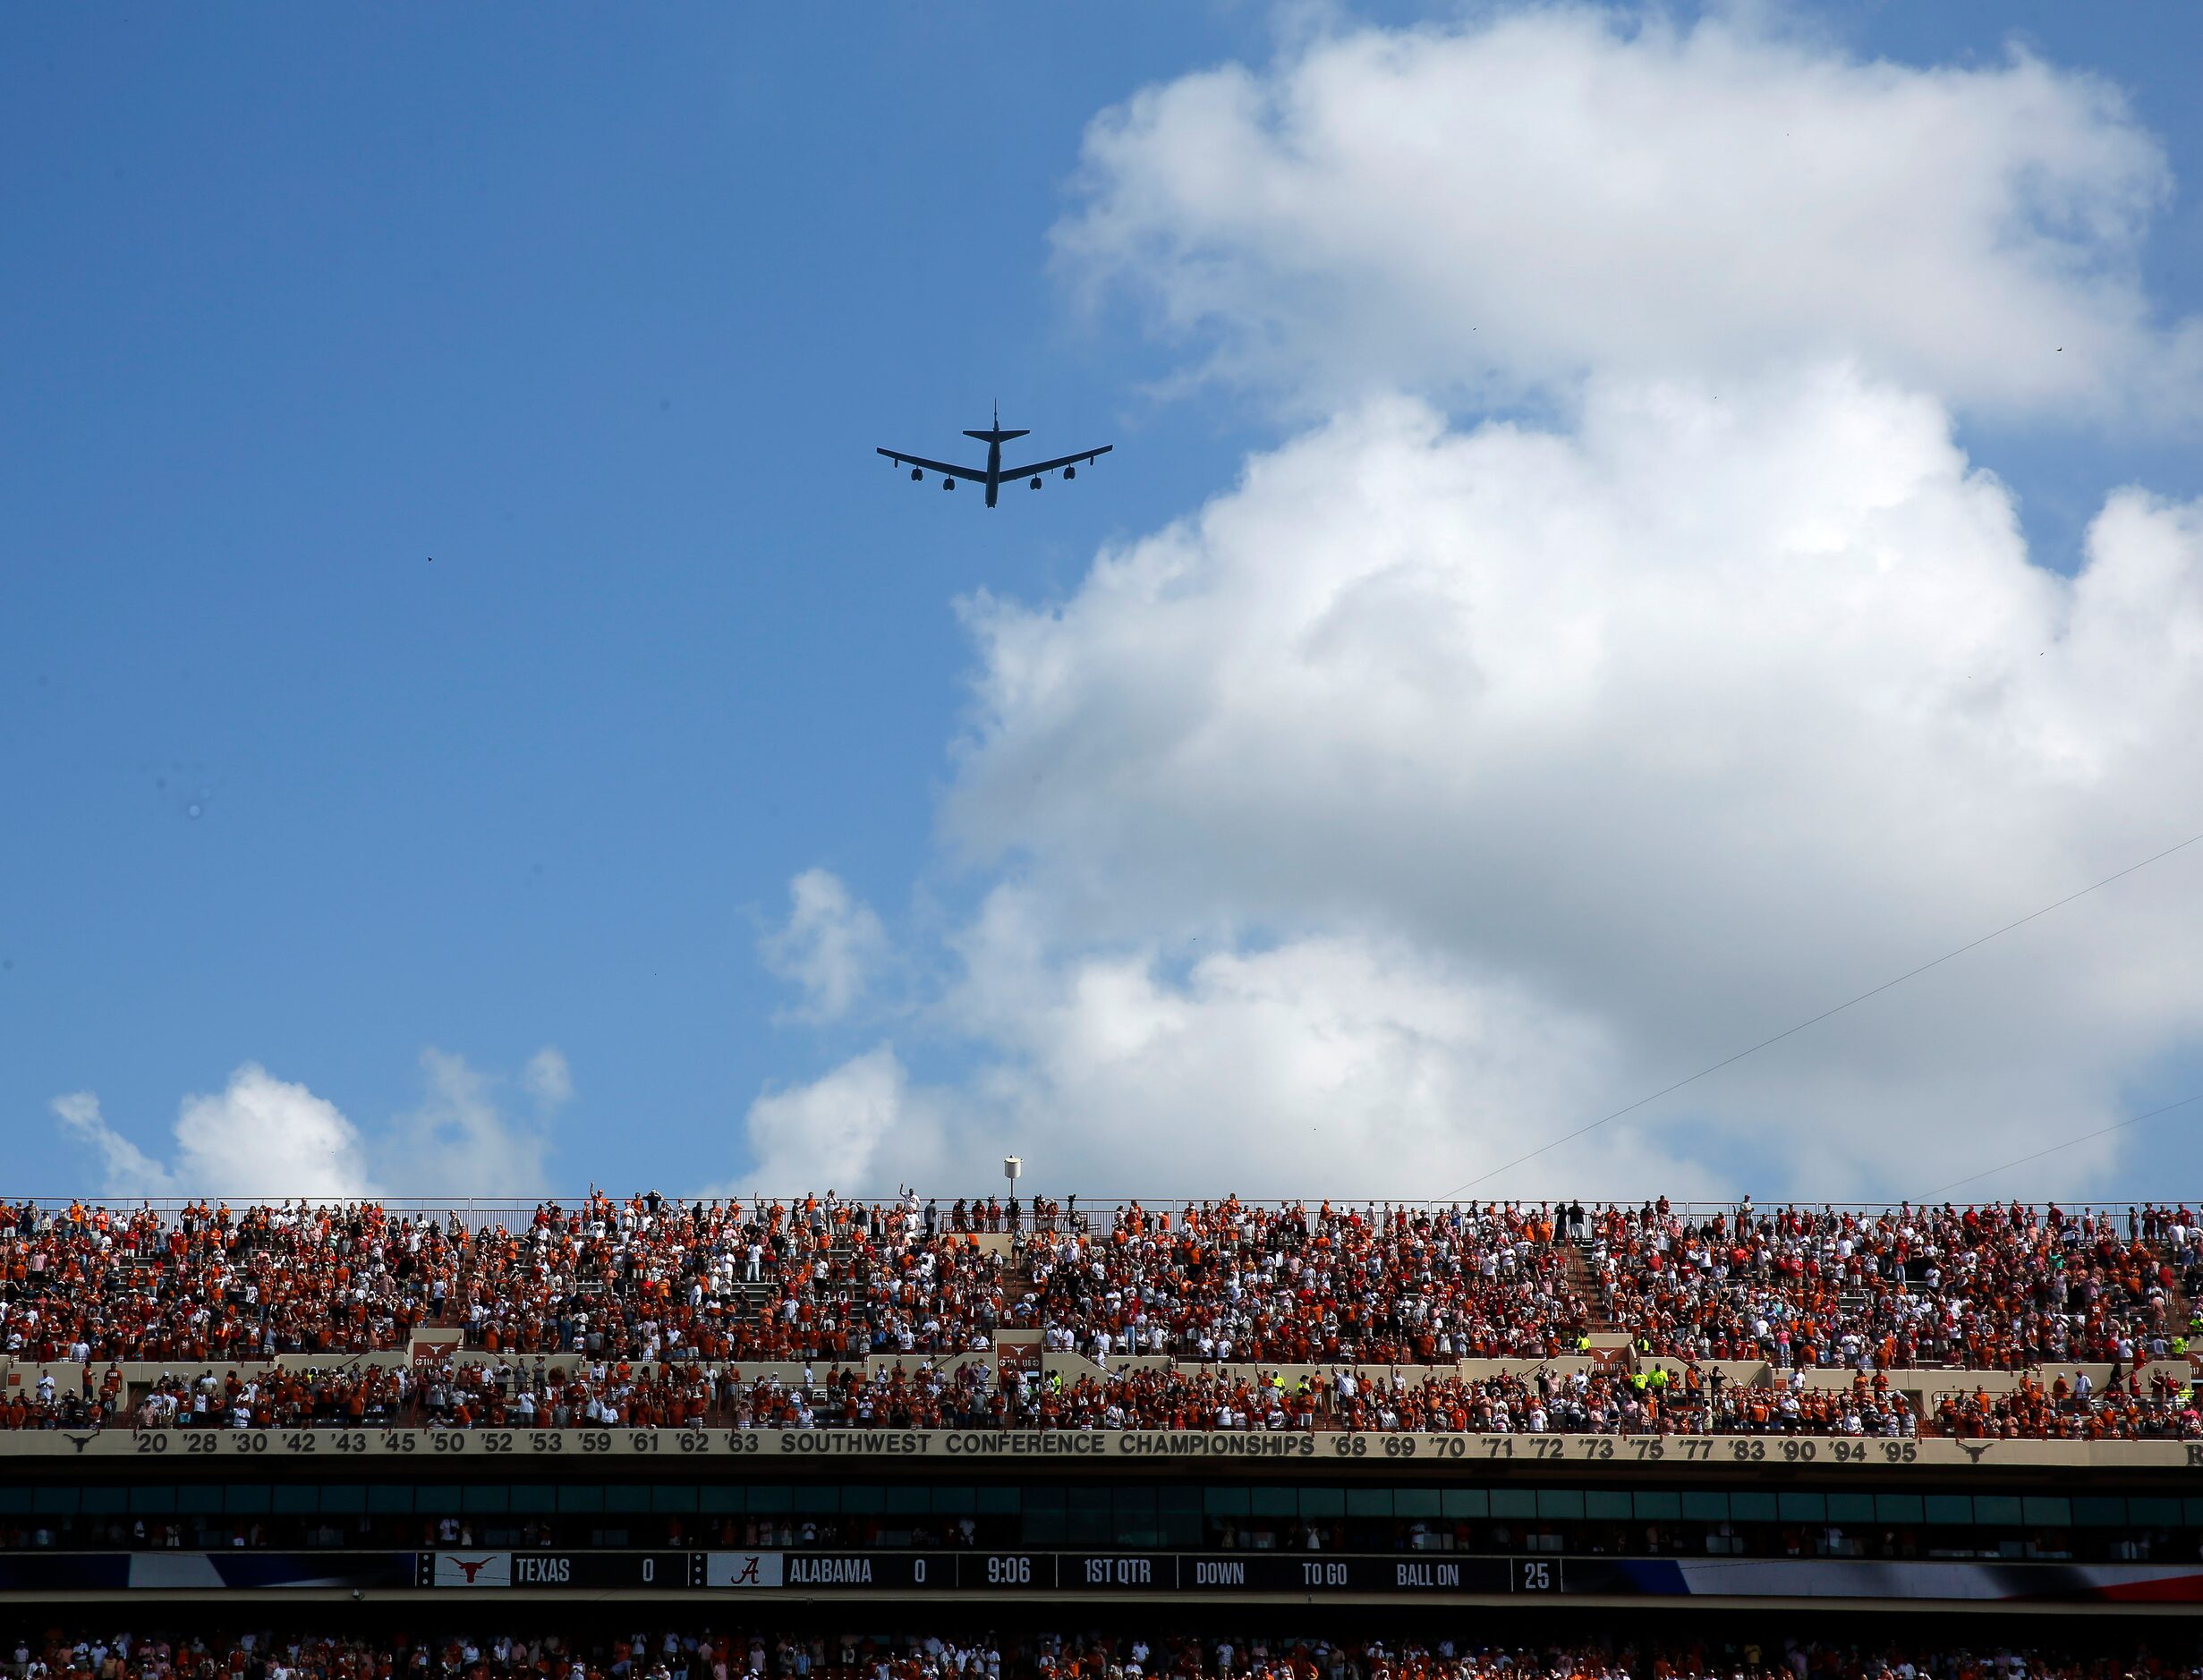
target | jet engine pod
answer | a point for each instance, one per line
(1036, 484)
(916, 474)
(1069, 473)
(948, 483)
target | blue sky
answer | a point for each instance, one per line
(606, 313)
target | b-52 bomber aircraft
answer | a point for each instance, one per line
(994, 475)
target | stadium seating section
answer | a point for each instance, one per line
(2007, 1321)
(702, 1654)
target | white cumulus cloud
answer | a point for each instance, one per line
(1437, 790)
(1682, 726)
(1346, 1060)
(1450, 782)
(264, 1136)
(1532, 194)
(548, 1079)
(126, 1170)
(461, 1140)
(267, 1138)
(830, 946)
(861, 1129)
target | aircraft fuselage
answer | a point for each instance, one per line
(994, 440)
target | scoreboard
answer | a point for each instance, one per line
(1039, 1518)
(1397, 1578)
(988, 1573)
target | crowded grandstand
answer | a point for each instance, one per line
(819, 1312)
(529, 1653)
(1211, 1405)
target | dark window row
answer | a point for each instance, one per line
(1605, 1505)
(525, 1498)
(1128, 1505)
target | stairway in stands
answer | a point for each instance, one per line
(1585, 1283)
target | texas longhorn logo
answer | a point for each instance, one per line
(471, 1569)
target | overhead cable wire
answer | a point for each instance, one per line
(1730, 1061)
(2085, 1137)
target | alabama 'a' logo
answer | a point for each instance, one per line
(747, 1575)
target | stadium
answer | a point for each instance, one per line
(713, 1436)
(1605, 598)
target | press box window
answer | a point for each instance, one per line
(1087, 1517)
(1178, 1510)
(1137, 1523)
(1043, 1516)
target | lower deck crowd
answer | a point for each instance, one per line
(518, 1394)
(704, 1654)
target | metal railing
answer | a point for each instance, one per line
(477, 1211)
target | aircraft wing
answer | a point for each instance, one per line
(1078, 459)
(972, 473)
